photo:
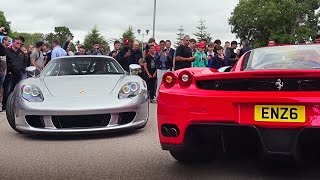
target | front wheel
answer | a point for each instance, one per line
(10, 113)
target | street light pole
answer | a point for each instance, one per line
(139, 32)
(154, 17)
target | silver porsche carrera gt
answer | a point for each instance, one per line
(79, 94)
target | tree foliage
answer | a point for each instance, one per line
(128, 33)
(30, 38)
(50, 37)
(4, 23)
(180, 35)
(62, 33)
(202, 32)
(94, 36)
(287, 20)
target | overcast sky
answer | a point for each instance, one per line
(112, 17)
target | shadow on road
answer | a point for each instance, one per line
(80, 137)
(246, 167)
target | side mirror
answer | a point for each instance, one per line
(31, 69)
(135, 69)
(225, 69)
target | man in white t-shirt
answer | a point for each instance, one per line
(37, 58)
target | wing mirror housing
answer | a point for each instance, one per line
(135, 69)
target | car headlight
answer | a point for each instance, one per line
(129, 90)
(32, 93)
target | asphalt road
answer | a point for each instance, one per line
(133, 155)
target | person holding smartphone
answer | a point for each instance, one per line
(164, 63)
(95, 49)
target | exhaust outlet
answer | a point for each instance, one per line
(165, 131)
(173, 132)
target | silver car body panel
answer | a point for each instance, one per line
(81, 95)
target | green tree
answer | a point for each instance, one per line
(62, 33)
(180, 35)
(128, 34)
(4, 23)
(94, 36)
(288, 20)
(202, 32)
(30, 38)
(50, 37)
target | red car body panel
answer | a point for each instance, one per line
(183, 106)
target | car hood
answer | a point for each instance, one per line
(71, 86)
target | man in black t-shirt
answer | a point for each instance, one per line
(184, 57)
(151, 72)
(231, 54)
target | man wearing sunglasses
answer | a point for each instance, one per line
(16, 65)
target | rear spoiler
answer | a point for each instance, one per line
(258, 74)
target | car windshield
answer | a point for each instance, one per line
(285, 57)
(82, 66)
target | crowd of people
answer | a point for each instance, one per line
(155, 58)
(162, 58)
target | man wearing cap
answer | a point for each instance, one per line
(123, 56)
(201, 57)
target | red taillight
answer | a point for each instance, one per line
(185, 79)
(169, 79)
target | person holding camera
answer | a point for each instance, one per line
(66, 46)
(95, 49)
(123, 58)
(136, 53)
(116, 50)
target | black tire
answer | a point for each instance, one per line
(185, 156)
(10, 113)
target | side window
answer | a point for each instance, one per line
(246, 60)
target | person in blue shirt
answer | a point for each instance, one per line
(219, 59)
(57, 51)
(163, 62)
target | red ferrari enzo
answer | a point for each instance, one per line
(270, 99)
